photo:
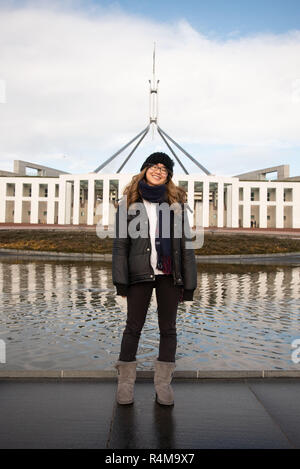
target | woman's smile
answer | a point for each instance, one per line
(154, 178)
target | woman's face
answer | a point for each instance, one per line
(156, 175)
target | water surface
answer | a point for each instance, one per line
(66, 315)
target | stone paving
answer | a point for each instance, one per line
(208, 413)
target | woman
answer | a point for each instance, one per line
(155, 260)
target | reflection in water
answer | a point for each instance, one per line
(66, 315)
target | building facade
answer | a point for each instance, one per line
(55, 197)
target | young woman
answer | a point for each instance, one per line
(156, 260)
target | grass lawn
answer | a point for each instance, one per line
(88, 242)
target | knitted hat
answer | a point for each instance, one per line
(159, 157)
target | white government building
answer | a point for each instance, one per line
(51, 197)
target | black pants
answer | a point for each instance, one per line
(138, 299)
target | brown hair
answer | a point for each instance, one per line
(174, 193)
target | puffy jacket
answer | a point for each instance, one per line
(131, 257)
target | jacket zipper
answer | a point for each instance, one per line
(173, 273)
(149, 257)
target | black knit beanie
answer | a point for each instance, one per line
(159, 157)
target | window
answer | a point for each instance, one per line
(43, 190)
(288, 195)
(271, 194)
(26, 190)
(10, 189)
(254, 194)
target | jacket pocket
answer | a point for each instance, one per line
(139, 264)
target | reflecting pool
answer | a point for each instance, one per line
(66, 315)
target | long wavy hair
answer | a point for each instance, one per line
(174, 193)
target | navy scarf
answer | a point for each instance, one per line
(158, 194)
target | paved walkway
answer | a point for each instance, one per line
(208, 413)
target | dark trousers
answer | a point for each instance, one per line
(138, 299)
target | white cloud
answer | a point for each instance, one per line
(77, 85)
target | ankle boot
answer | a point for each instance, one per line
(163, 373)
(126, 380)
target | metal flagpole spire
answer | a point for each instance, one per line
(154, 123)
(184, 151)
(153, 117)
(153, 107)
(122, 149)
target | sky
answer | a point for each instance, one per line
(74, 82)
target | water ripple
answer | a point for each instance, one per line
(66, 315)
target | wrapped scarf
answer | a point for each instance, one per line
(157, 194)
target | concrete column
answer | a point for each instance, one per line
(235, 205)
(2, 200)
(34, 209)
(122, 184)
(50, 202)
(68, 202)
(247, 207)
(296, 206)
(62, 201)
(263, 206)
(91, 201)
(279, 207)
(105, 218)
(220, 220)
(199, 214)
(76, 203)
(18, 202)
(205, 211)
(229, 206)
(190, 201)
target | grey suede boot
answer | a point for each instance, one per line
(126, 380)
(163, 373)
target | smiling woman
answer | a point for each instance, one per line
(158, 260)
